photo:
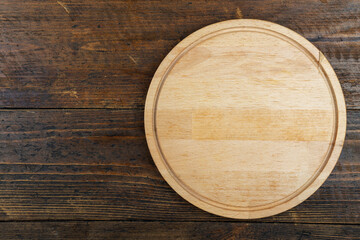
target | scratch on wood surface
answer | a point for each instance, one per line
(239, 13)
(64, 7)
(133, 59)
(2, 75)
(6, 84)
(71, 93)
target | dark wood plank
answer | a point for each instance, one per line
(173, 230)
(94, 165)
(102, 54)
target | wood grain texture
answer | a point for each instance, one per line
(91, 54)
(95, 165)
(173, 230)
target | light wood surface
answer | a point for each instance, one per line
(245, 118)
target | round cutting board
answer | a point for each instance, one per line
(245, 118)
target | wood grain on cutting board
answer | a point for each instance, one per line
(245, 118)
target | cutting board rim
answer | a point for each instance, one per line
(294, 39)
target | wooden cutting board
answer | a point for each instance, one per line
(245, 119)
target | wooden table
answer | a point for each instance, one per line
(73, 156)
